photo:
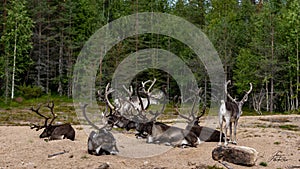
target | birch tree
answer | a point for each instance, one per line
(17, 42)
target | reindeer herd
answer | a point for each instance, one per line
(133, 113)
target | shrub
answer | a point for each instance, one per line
(263, 164)
(29, 92)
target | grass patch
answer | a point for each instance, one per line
(278, 119)
(214, 167)
(264, 164)
(18, 113)
(277, 142)
(84, 157)
(289, 127)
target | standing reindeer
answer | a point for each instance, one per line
(230, 112)
(54, 132)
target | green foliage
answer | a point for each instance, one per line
(256, 44)
(264, 164)
(29, 92)
(289, 127)
(246, 71)
(18, 113)
(277, 142)
(214, 167)
(16, 41)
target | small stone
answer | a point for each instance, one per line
(103, 166)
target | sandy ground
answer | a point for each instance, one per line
(21, 147)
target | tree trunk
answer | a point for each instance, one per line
(39, 50)
(267, 95)
(60, 66)
(6, 59)
(48, 67)
(14, 64)
(272, 69)
(297, 85)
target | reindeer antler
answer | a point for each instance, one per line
(38, 127)
(129, 90)
(226, 92)
(107, 92)
(150, 87)
(247, 93)
(177, 109)
(196, 99)
(51, 107)
(162, 109)
(87, 119)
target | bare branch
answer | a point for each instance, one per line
(225, 165)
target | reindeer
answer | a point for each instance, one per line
(203, 133)
(100, 142)
(126, 104)
(230, 112)
(115, 118)
(54, 132)
(170, 135)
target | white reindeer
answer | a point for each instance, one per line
(230, 111)
(132, 103)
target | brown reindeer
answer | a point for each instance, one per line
(230, 112)
(204, 133)
(170, 135)
(53, 132)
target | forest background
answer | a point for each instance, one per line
(257, 41)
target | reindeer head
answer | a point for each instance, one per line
(241, 102)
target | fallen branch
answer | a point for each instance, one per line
(276, 153)
(225, 165)
(59, 153)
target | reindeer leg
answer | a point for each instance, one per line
(230, 132)
(227, 123)
(235, 126)
(221, 130)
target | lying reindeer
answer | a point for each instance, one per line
(115, 118)
(204, 133)
(100, 142)
(161, 133)
(53, 132)
(132, 102)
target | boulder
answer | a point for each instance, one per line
(240, 155)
